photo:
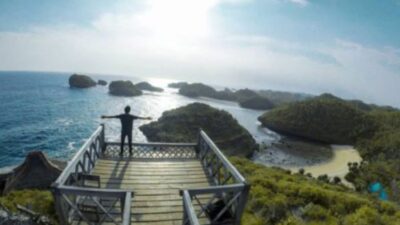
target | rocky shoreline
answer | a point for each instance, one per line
(290, 151)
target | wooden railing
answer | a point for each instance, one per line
(93, 205)
(225, 201)
(75, 201)
(222, 203)
(153, 151)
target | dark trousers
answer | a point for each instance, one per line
(123, 135)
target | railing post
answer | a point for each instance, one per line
(198, 146)
(126, 208)
(103, 138)
(58, 203)
(242, 203)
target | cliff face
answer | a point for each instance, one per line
(81, 81)
(183, 124)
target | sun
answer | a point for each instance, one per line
(178, 19)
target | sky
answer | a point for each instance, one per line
(350, 48)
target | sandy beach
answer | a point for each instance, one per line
(315, 158)
(337, 165)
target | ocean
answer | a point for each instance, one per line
(39, 111)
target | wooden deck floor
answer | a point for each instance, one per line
(155, 184)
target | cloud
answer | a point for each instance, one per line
(131, 45)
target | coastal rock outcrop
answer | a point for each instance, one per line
(283, 97)
(81, 81)
(177, 84)
(321, 119)
(146, 86)
(201, 90)
(257, 102)
(226, 95)
(102, 82)
(244, 94)
(197, 90)
(247, 98)
(123, 88)
(36, 172)
(183, 124)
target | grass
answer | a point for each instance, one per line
(279, 197)
(39, 201)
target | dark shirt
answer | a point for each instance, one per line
(127, 122)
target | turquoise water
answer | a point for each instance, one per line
(39, 111)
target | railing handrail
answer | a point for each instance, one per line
(100, 192)
(214, 189)
(188, 207)
(125, 197)
(85, 158)
(222, 158)
(166, 144)
(72, 163)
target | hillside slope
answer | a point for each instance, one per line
(321, 119)
(278, 197)
(183, 124)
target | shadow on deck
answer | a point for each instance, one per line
(159, 183)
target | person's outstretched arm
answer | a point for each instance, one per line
(109, 117)
(144, 118)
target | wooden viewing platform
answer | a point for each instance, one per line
(160, 184)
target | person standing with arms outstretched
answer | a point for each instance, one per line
(126, 126)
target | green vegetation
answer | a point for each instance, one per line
(381, 155)
(243, 94)
(373, 130)
(182, 125)
(321, 119)
(247, 98)
(278, 197)
(258, 102)
(283, 97)
(37, 200)
(385, 143)
(358, 104)
(201, 90)
(226, 94)
(197, 90)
